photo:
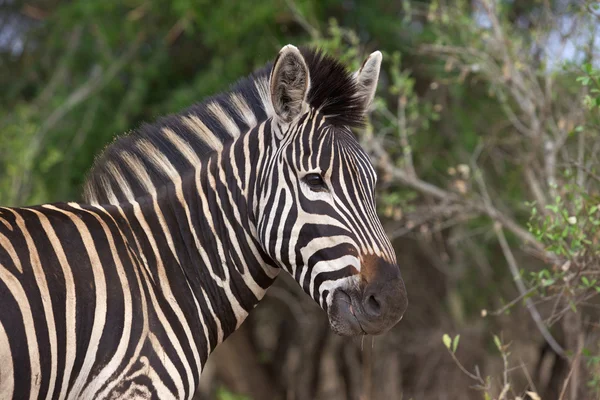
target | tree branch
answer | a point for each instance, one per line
(512, 265)
(382, 159)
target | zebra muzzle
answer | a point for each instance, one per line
(374, 306)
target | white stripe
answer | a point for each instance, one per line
(144, 307)
(184, 147)
(167, 363)
(110, 195)
(7, 245)
(42, 284)
(202, 131)
(243, 110)
(18, 293)
(161, 162)
(136, 167)
(224, 119)
(70, 303)
(118, 356)
(7, 378)
(162, 391)
(100, 308)
(262, 86)
(238, 310)
(121, 181)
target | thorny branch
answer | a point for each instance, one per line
(381, 159)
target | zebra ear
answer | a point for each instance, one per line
(289, 83)
(367, 77)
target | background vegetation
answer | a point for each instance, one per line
(485, 135)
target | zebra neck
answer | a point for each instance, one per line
(216, 269)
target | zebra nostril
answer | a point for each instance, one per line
(372, 306)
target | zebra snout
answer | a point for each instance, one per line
(384, 302)
(373, 306)
(384, 299)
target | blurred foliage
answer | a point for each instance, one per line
(224, 394)
(75, 74)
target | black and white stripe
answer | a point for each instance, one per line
(192, 218)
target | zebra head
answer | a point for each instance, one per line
(315, 207)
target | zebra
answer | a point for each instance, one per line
(189, 222)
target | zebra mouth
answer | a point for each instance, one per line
(342, 315)
(372, 310)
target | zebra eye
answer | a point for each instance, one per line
(315, 182)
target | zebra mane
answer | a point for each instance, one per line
(138, 162)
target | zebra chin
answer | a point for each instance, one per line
(370, 308)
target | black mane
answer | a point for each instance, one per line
(333, 89)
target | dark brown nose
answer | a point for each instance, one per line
(384, 298)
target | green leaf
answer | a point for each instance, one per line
(573, 306)
(548, 282)
(585, 281)
(447, 341)
(584, 80)
(498, 342)
(455, 343)
(224, 394)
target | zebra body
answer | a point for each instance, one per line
(127, 300)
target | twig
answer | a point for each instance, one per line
(587, 170)
(477, 377)
(382, 159)
(568, 378)
(403, 131)
(506, 386)
(527, 375)
(176, 30)
(427, 215)
(512, 264)
(82, 93)
(61, 72)
(299, 18)
(536, 189)
(513, 302)
(504, 392)
(580, 159)
(85, 127)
